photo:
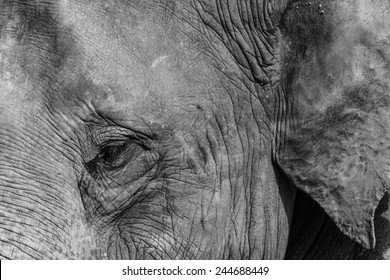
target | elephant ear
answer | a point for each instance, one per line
(334, 143)
(339, 155)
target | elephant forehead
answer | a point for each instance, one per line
(141, 65)
(160, 85)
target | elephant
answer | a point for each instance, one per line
(194, 129)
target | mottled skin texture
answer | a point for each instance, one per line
(183, 129)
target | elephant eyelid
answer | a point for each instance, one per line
(114, 136)
(125, 141)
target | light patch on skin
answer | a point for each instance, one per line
(70, 122)
(159, 60)
(86, 245)
(375, 14)
(9, 105)
(15, 84)
(7, 75)
(367, 27)
(359, 54)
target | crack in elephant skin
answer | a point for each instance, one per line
(177, 129)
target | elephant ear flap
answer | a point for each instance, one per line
(347, 186)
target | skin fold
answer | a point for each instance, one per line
(194, 129)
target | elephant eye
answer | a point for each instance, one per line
(117, 154)
(115, 149)
(110, 153)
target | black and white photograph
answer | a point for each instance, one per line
(195, 130)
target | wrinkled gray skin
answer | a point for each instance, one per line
(194, 129)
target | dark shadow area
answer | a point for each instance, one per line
(382, 228)
(313, 234)
(287, 190)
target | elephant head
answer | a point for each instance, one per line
(171, 129)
